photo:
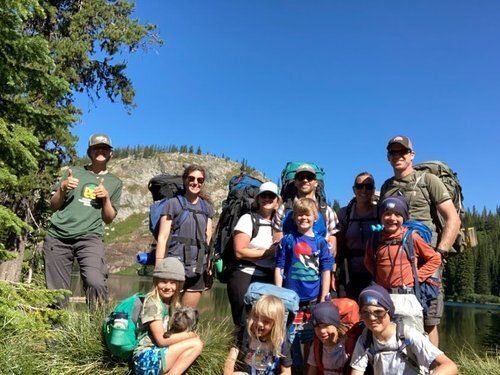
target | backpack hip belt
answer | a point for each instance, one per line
(187, 243)
(401, 290)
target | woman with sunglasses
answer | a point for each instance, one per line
(354, 223)
(185, 231)
(254, 249)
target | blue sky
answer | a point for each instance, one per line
(323, 81)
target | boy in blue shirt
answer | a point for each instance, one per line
(303, 264)
(303, 260)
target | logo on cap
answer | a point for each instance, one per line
(391, 205)
(397, 139)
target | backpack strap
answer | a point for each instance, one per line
(409, 248)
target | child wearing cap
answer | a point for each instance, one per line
(336, 329)
(389, 263)
(391, 348)
(156, 354)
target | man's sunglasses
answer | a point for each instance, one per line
(199, 180)
(377, 314)
(364, 186)
(398, 152)
(305, 176)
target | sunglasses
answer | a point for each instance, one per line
(364, 186)
(377, 314)
(199, 180)
(398, 152)
(267, 195)
(305, 176)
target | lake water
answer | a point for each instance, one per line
(476, 326)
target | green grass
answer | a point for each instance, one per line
(471, 363)
(123, 230)
(76, 348)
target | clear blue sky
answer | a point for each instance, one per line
(322, 81)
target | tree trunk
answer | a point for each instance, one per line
(11, 270)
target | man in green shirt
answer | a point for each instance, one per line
(82, 201)
(411, 183)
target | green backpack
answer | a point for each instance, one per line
(120, 328)
(466, 237)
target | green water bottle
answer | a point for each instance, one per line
(219, 265)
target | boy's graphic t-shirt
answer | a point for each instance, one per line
(302, 259)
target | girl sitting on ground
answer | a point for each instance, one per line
(263, 348)
(156, 354)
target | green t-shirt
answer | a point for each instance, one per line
(419, 188)
(81, 213)
(152, 309)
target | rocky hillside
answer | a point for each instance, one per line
(129, 232)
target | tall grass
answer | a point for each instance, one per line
(77, 348)
(470, 363)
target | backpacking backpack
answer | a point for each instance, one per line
(450, 179)
(162, 188)
(120, 328)
(242, 192)
(289, 191)
(349, 316)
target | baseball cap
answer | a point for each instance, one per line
(99, 139)
(401, 140)
(305, 168)
(269, 186)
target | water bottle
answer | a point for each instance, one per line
(146, 258)
(120, 321)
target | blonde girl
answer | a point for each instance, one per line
(264, 347)
(154, 353)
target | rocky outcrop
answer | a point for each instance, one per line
(136, 173)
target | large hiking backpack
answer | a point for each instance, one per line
(289, 191)
(349, 316)
(466, 237)
(162, 188)
(242, 192)
(121, 337)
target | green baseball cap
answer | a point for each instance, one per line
(99, 139)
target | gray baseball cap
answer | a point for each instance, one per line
(401, 140)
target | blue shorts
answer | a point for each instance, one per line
(151, 361)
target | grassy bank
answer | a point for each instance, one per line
(75, 347)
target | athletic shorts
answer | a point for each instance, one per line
(435, 310)
(195, 283)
